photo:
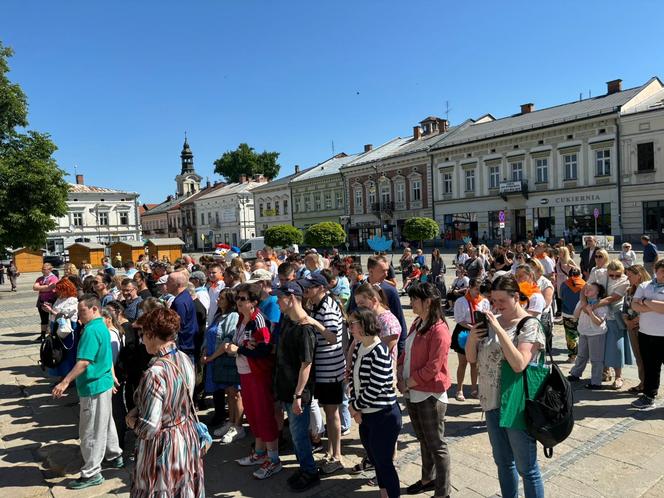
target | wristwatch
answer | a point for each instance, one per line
(297, 396)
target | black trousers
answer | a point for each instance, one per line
(652, 352)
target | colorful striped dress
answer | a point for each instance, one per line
(168, 460)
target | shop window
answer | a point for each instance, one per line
(570, 162)
(494, 177)
(603, 162)
(646, 156)
(458, 226)
(580, 219)
(653, 219)
(542, 167)
(544, 221)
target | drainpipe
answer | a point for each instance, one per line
(432, 199)
(619, 172)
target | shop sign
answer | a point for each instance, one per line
(577, 199)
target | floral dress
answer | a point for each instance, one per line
(168, 453)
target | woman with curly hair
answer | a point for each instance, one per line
(63, 317)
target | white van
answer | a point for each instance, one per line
(251, 246)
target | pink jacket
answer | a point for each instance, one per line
(428, 358)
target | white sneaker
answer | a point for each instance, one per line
(222, 430)
(267, 469)
(233, 434)
(253, 459)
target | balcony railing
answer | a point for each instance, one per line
(382, 207)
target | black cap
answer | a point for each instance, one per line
(313, 280)
(289, 289)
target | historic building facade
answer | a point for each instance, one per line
(273, 204)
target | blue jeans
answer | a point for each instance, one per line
(299, 429)
(515, 454)
(344, 412)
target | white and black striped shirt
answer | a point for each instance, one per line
(372, 369)
(329, 362)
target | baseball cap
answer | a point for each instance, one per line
(289, 289)
(312, 280)
(162, 280)
(199, 275)
(259, 275)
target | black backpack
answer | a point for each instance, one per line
(549, 415)
(51, 352)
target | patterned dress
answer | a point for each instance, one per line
(168, 460)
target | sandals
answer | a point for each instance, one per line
(635, 390)
(618, 383)
(363, 466)
(460, 397)
(474, 394)
(606, 375)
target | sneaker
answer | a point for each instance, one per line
(573, 378)
(294, 476)
(330, 466)
(593, 387)
(116, 463)
(86, 482)
(268, 469)
(345, 432)
(304, 481)
(252, 459)
(222, 430)
(644, 403)
(317, 447)
(233, 434)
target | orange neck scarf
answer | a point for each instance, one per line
(575, 283)
(473, 303)
(529, 288)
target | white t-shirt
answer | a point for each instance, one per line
(548, 265)
(461, 259)
(462, 309)
(240, 360)
(537, 304)
(460, 283)
(650, 322)
(589, 328)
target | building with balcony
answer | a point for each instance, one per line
(388, 184)
(551, 171)
(96, 215)
(318, 194)
(226, 215)
(273, 204)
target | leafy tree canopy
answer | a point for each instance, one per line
(283, 236)
(245, 161)
(33, 191)
(420, 229)
(325, 234)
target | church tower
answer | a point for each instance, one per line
(188, 181)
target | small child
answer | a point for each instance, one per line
(570, 293)
(414, 275)
(592, 336)
(426, 274)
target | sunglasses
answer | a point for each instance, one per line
(599, 256)
(241, 299)
(614, 275)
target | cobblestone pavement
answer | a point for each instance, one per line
(613, 451)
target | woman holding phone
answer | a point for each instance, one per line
(514, 450)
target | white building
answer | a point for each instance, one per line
(549, 171)
(226, 215)
(272, 202)
(95, 214)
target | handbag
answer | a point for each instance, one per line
(512, 391)
(224, 370)
(204, 438)
(64, 327)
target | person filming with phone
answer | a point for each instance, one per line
(514, 336)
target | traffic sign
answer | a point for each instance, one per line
(501, 225)
(596, 213)
(501, 217)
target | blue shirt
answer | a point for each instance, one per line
(270, 309)
(650, 253)
(184, 306)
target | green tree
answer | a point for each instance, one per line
(325, 234)
(283, 236)
(420, 229)
(33, 191)
(245, 161)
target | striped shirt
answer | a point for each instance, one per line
(329, 360)
(372, 382)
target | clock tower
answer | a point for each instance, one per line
(188, 181)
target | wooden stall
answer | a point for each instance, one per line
(171, 248)
(86, 252)
(129, 250)
(28, 260)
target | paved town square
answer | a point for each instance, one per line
(612, 452)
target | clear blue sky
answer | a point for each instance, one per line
(118, 83)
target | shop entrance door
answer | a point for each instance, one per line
(520, 224)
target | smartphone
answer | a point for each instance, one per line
(480, 319)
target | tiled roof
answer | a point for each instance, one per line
(281, 182)
(380, 152)
(330, 167)
(205, 191)
(76, 188)
(544, 117)
(231, 189)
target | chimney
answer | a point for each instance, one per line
(417, 132)
(297, 168)
(79, 180)
(613, 86)
(243, 178)
(207, 183)
(527, 108)
(443, 125)
(368, 147)
(259, 178)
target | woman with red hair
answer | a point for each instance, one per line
(63, 324)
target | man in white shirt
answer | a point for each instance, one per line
(649, 303)
(215, 285)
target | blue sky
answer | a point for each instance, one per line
(117, 83)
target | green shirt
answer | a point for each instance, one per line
(95, 347)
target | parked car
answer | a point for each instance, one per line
(54, 259)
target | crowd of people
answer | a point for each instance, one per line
(298, 346)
